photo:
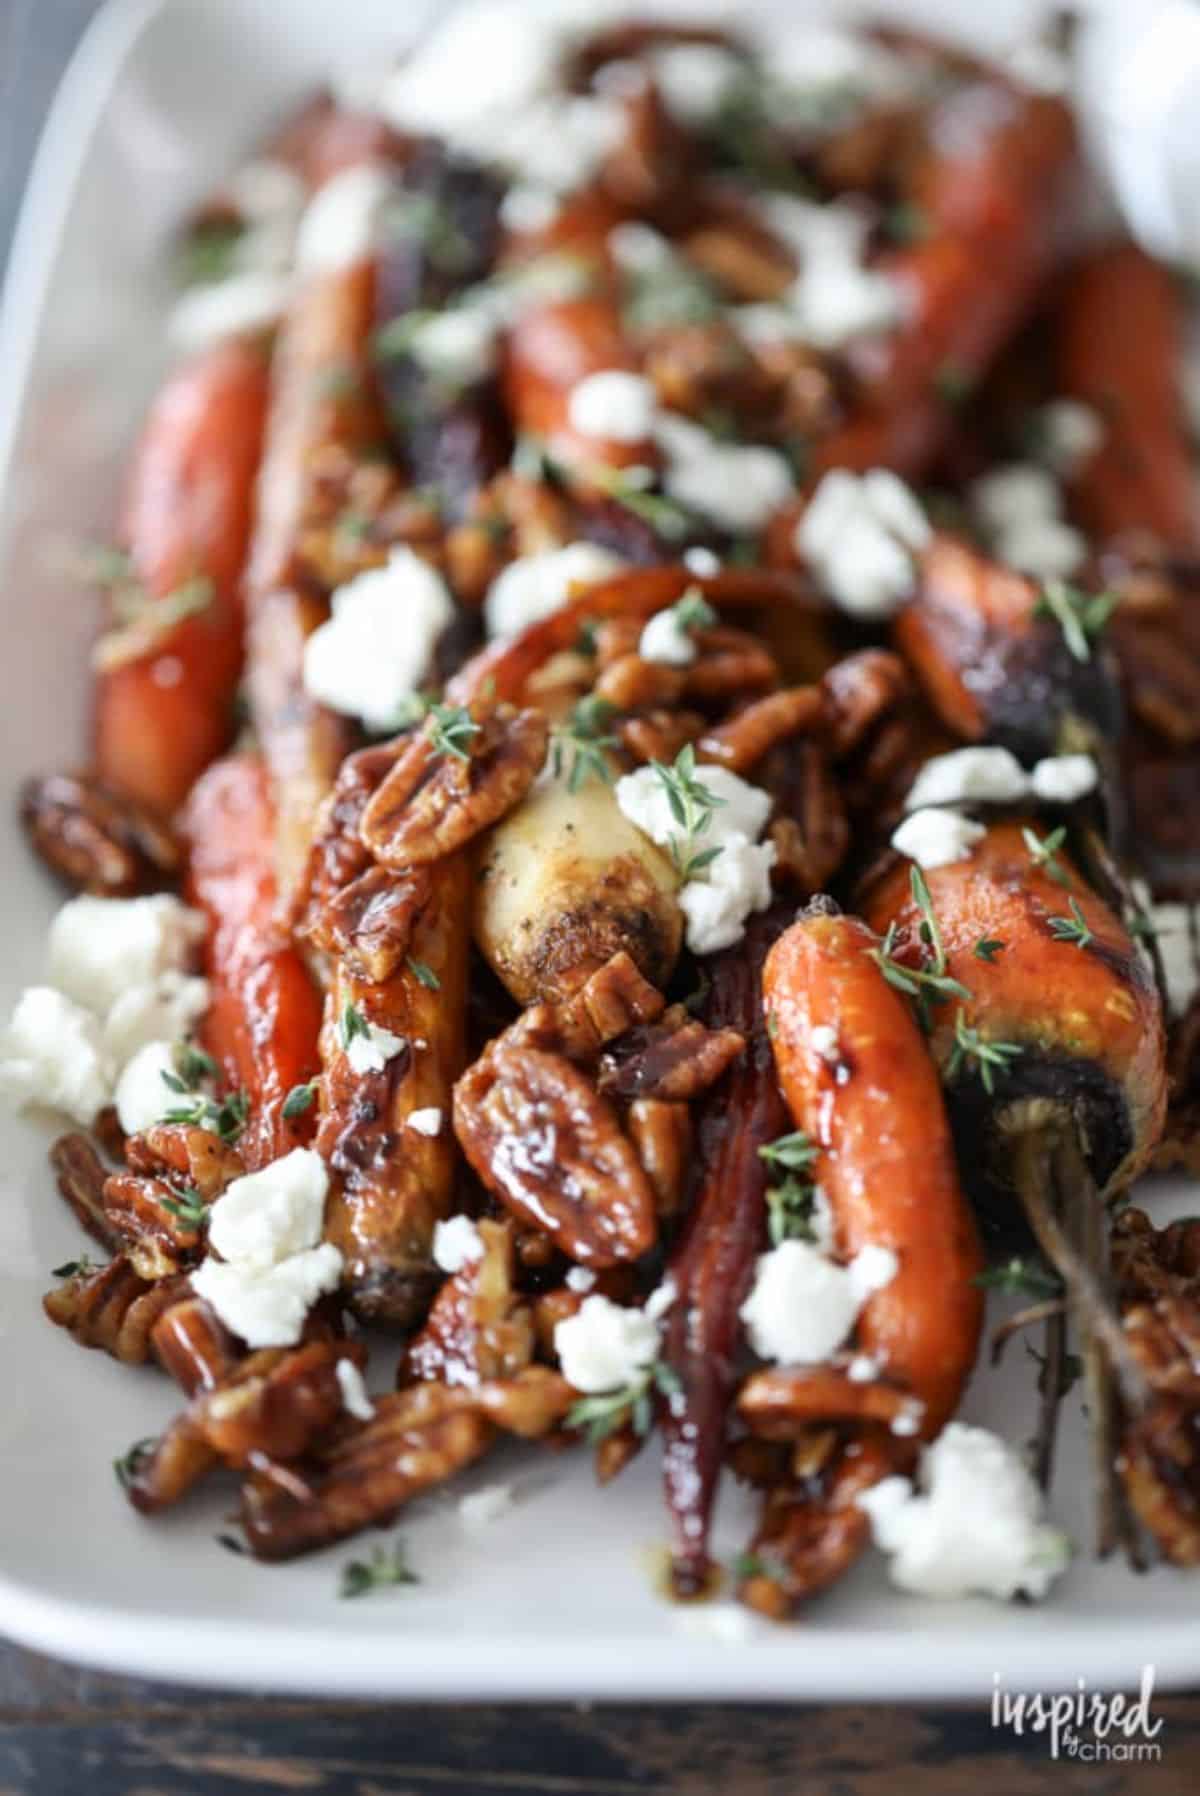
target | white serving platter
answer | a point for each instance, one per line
(557, 1598)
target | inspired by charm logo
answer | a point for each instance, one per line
(1093, 1726)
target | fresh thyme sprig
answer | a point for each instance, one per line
(630, 488)
(299, 1099)
(602, 1415)
(1081, 616)
(450, 726)
(187, 1206)
(693, 611)
(1043, 852)
(1073, 928)
(352, 1023)
(581, 742)
(129, 1464)
(988, 947)
(424, 974)
(75, 1268)
(692, 804)
(792, 1199)
(225, 1116)
(193, 1065)
(930, 983)
(385, 1567)
(977, 1052)
(1027, 1278)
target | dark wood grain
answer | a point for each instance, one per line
(61, 1727)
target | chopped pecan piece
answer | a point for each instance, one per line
(811, 832)
(614, 999)
(859, 690)
(552, 1149)
(658, 735)
(370, 923)
(338, 856)
(193, 1345)
(662, 1135)
(743, 739)
(730, 661)
(95, 840)
(113, 1309)
(631, 684)
(675, 1062)
(432, 803)
(80, 1174)
(186, 1151)
(478, 1327)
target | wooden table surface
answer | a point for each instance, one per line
(137, 1739)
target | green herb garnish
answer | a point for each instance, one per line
(976, 1052)
(1028, 1278)
(130, 1464)
(299, 1099)
(79, 1268)
(352, 1023)
(1073, 928)
(385, 1567)
(1081, 616)
(424, 974)
(987, 948)
(692, 804)
(602, 1415)
(581, 743)
(1043, 852)
(450, 726)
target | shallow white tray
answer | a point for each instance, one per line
(556, 1599)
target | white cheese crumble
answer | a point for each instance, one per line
(340, 224)
(935, 838)
(614, 405)
(1068, 433)
(1061, 779)
(973, 1526)
(457, 345)
(729, 1624)
(694, 79)
(165, 1009)
(737, 485)
(702, 562)
(53, 1056)
(969, 776)
(863, 1369)
(456, 1243)
(834, 297)
(823, 75)
(534, 586)
(1019, 510)
(426, 1122)
(638, 248)
(526, 209)
(369, 1049)
(355, 1400)
(717, 902)
(142, 1096)
(101, 947)
(580, 1278)
(824, 1041)
(859, 534)
(267, 1216)
(269, 1308)
(604, 1346)
(803, 1305)
(379, 641)
(666, 640)
(242, 305)
(480, 1508)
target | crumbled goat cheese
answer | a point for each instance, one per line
(456, 346)
(52, 1055)
(580, 1278)
(1040, 67)
(479, 1508)
(1069, 433)
(973, 1526)
(426, 1122)
(737, 485)
(242, 305)
(666, 640)
(820, 1220)
(268, 1308)
(355, 1400)
(605, 1347)
(834, 297)
(101, 947)
(694, 79)
(859, 534)
(969, 776)
(934, 838)
(532, 587)
(528, 210)
(741, 809)
(614, 405)
(702, 562)
(863, 1369)
(341, 223)
(456, 1243)
(1019, 510)
(379, 641)
(729, 1624)
(908, 1421)
(734, 885)
(163, 1010)
(268, 1216)
(142, 1096)
(638, 248)
(369, 1050)
(1061, 779)
(803, 1305)
(825, 74)
(824, 1041)
(663, 1298)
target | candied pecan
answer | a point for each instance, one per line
(113, 1309)
(859, 690)
(542, 1138)
(193, 1345)
(658, 735)
(432, 803)
(158, 1239)
(95, 840)
(1161, 677)
(478, 1327)
(802, 390)
(704, 368)
(80, 1175)
(615, 998)
(631, 684)
(356, 512)
(417, 1438)
(811, 833)
(662, 1135)
(337, 855)
(730, 661)
(370, 923)
(1159, 1465)
(1149, 1263)
(188, 1151)
(671, 1062)
(781, 1403)
(743, 739)
(616, 637)
(748, 266)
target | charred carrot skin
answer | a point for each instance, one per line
(162, 717)
(873, 1106)
(1119, 349)
(1084, 1014)
(264, 1014)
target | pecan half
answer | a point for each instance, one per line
(676, 1062)
(859, 690)
(432, 803)
(478, 1327)
(95, 840)
(113, 1309)
(542, 1138)
(186, 1151)
(743, 739)
(370, 923)
(662, 1136)
(80, 1174)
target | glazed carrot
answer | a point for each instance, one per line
(163, 714)
(872, 1104)
(551, 348)
(265, 1013)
